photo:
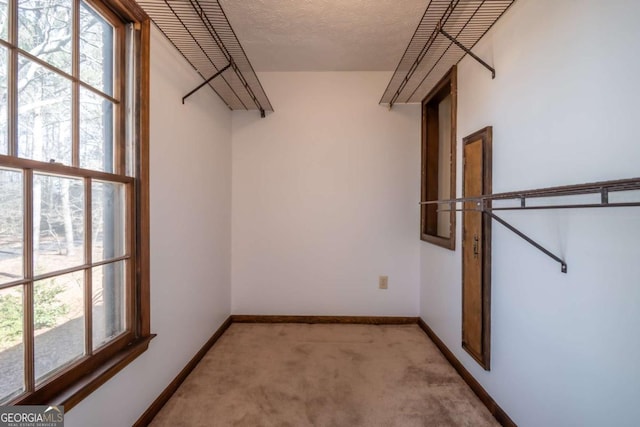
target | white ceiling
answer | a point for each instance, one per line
(324, 35)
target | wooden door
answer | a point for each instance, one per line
(476, 249)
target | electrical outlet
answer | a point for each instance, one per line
(383, 282)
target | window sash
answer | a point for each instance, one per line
(30, 277)
(119, 91)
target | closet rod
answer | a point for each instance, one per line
(603, 188)
(483, 204)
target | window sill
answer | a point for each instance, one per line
(445, 242)
(87, 384)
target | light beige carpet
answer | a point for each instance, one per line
(324, 375)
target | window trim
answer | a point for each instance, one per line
(448, 85)
(80, 379)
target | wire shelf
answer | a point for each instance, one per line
(201, 32)
(484, 205)
(431, 54)
(603, 188)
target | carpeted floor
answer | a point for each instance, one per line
(324, 375)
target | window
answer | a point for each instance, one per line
(438, 222)
(73, 196)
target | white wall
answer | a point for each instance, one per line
(564, 109)
(190, 239)
(325, 195)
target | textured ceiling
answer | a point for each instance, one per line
(324, 35)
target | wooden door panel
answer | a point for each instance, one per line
(472, 236)
(476, 249)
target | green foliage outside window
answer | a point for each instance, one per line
(47, 310)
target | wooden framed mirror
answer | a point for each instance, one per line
(476, 248)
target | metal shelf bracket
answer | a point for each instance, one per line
(201, 85)
(468, 51)
(563, 265)
(217, 74)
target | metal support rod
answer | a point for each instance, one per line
(549, 207)
(577, 206)
(631, 184)
(206, 82)
(563, 265)
(468, 51)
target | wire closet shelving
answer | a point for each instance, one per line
(486, 204)
(201, 32)
(447, 31)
